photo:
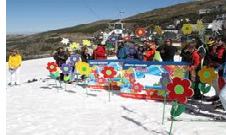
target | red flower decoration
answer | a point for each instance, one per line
(140, 32)
(180, 89)
(137, 87)
(101, 80)
(109, 72)
(52, 67)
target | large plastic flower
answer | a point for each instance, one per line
(187, 29)
(180, 89)
(52, 67)
(108, 72)
(137, 87)
(83, 68)
(66, 68)
(74, 46)
(86, 42)
(199, 25)
(207, 75)
(140, 32)
(158, 30)
(74, 58)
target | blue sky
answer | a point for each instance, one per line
(30, 16)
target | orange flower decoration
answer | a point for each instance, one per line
(140, 32)
(207, 75)
(109, 72)
(52, 67)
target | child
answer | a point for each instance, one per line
(14, 64)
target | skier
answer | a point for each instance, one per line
(14, 63)
(61, 57)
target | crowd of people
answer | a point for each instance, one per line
(197, 53)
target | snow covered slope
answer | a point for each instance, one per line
(40, 108)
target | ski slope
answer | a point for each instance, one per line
(41, 108)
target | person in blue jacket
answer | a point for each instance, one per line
(121, 53)
(131, 52)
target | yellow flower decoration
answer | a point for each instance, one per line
(199, 25)
(158, 30)
(74, 46)
(207, 75)
(86, 42)
(83, 68)
(179, 72)
(187, 29)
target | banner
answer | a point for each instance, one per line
(137, 79)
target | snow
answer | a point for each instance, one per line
(39, 108)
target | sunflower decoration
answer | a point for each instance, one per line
(86, 42)
(108, 72)
(137, 87)
(83, 68)
(74, 46)
(158, 30)
(66, 68)
(200, 26)
(187, 29)
(180, 89)
(52, 67)
(207, 75)
(140, 32)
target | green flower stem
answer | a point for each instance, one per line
(172, 118)
(109, 91)
(163, 113)
(171, 125)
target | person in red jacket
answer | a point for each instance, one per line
(194, 68)
(100, 52)
(149, 54)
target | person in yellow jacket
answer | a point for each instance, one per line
(14, 64)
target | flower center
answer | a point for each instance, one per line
(206, 74)
(179, 89)
(51, 67)
(66, 68)
(136, 87)
(108, 72)
(84, 69)
(140, 32)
